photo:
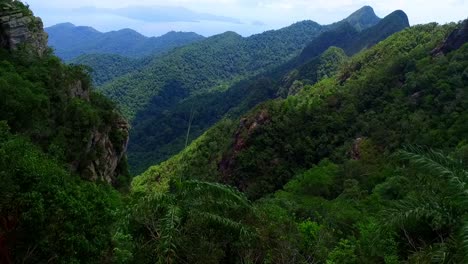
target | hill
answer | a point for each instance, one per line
(327, 165)
(70, 41)
(161, 131)
(106, 67)
(62, 147)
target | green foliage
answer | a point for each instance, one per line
(192, 221)
(442, 207)
(316, 181)
(106, 67)
(160, 128)
(327, 152)
(37, 102)
(378, 100)
(48, 214)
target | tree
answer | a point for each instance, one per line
(439, 203)
(191, 220)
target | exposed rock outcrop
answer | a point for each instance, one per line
(78, 91)
(18, 28)
(246, 128)
(454, 41)
(103, 153)
(356, 150)
(109, 148)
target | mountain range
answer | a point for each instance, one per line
(70, 41)
(226, 75)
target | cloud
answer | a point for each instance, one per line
(210, 17)
(257, 23)
(157, 14)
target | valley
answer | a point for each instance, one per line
(343, 143)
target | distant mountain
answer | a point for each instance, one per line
(70, 41)
(352, 40)
(363, 18)
(160, 130)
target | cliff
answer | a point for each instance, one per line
(19, 27)
(455, 40)
(72, 123)
(106, 144)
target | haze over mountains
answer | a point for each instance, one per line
(70, 41)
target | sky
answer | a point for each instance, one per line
(246, 17)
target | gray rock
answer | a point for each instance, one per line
(455, 40)
(17, 29)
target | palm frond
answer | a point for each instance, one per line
(169, 233)
(454, 171)
(437, 163)
(417, 208)
(464, 240)
(224, 222)
(432, 161)
(195, 189)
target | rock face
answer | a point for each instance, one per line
(107, 146)
(246, 128)
(454, 41)
(78, 91)
(109, 152)
(102, 156)
(18, 28)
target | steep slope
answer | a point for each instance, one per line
(392, 94)
(351, 40)
(210, 64)
(106, 67)
(363, 18)
(214, 63)
(161, 130)
(61, 145)
(54, 105)
(70, 41)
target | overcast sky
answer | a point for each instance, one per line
(209, 17)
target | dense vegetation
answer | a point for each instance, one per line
(160, 131)
(47, 212)
(330, 173)
(37, 102)
(344, 193)
(106, 67)
(70, 41)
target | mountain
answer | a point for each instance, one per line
(70, 41)
(345, 165)
(160, 130)
(363, 18)
(345, 36)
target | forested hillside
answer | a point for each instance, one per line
(70, 41)
(160, 131)
(106, 67)
(345, 188)
(62, 146)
